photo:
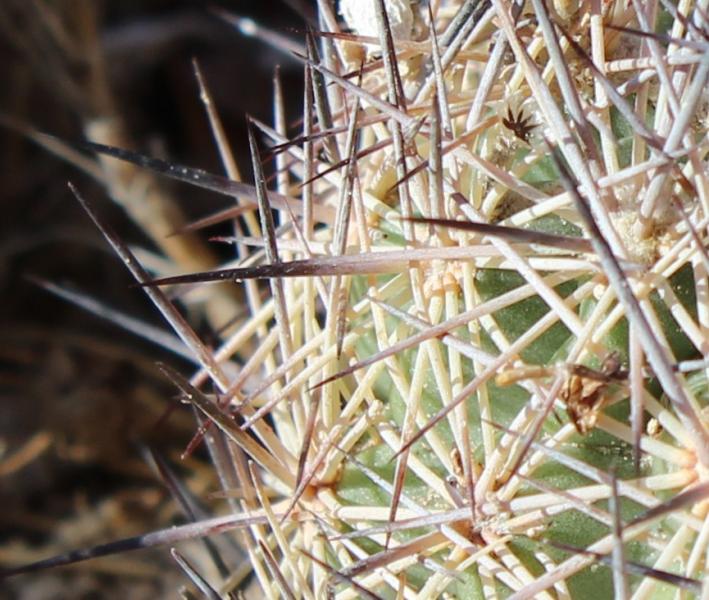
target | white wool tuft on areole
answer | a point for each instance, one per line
(361, 17)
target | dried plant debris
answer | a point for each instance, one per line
(518, 124)
(479, 368)
(583, 391)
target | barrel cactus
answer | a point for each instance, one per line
(473, 364)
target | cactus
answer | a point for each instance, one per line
(480, 368)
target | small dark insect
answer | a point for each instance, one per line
(518, 125)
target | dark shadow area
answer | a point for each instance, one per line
(78, 395)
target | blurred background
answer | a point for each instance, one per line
(80, 399)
